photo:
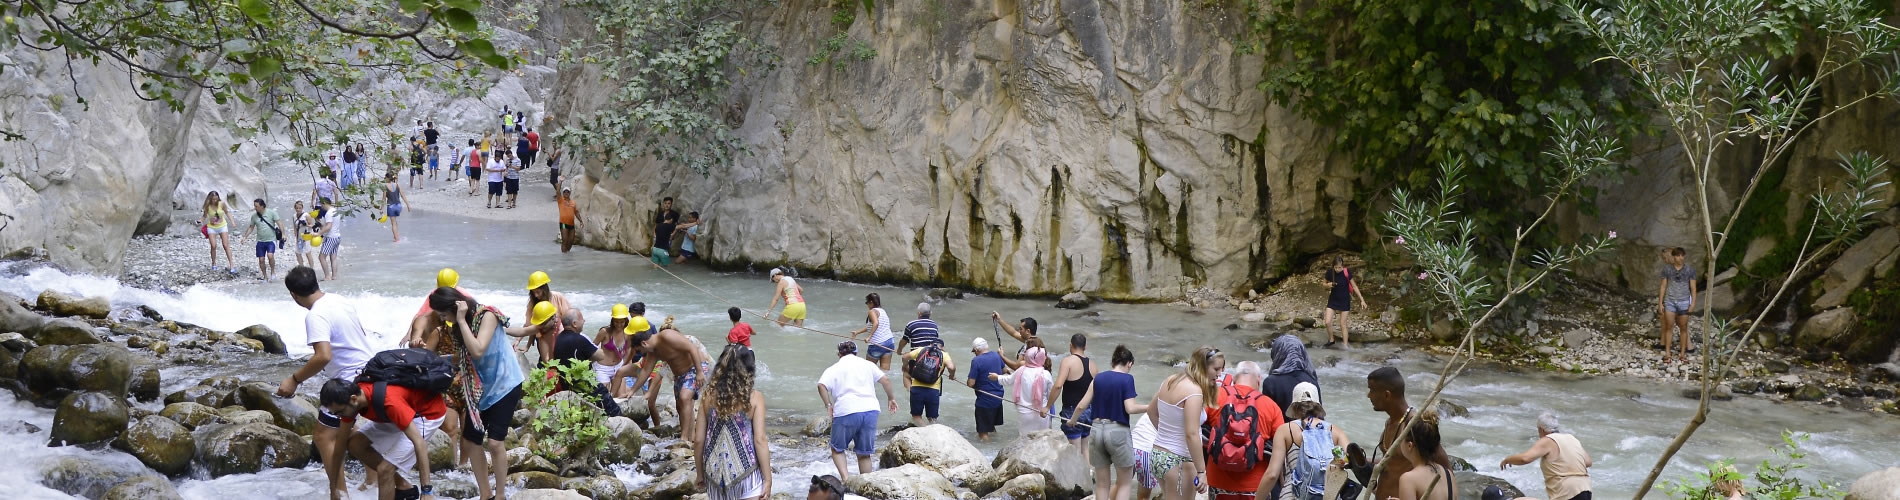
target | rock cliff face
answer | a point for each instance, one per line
(82, 178)
(1036, 146)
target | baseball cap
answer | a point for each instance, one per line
(1305, 392)
(980, 344)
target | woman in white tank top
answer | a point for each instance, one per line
(1178, 412)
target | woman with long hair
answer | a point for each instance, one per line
(882, 342)
(394, 199)
(1030, 386)
(1178, 412)
(494, 392)
(1431, 478)
(734, 453)
(216, 220)
(614, 339)
(1291, 467)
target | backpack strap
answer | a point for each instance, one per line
(376, 399)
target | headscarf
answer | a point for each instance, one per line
(1289, 355)
(1032, 375)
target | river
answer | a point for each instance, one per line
(1624, 423)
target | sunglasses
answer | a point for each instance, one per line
(1213, 354)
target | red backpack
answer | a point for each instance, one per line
(1236, 444)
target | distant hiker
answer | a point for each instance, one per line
(430, 134)
(987, 377)
(215, 224)
(689, 362)
(1339, 302)
(330, 225)
(340, 347)
(418, 158)
(394, 199)
(1675, 297)
(511, 177)
(435, 161)
(1240, 447)
(882, 342)
(472, 165)
(523, 152)
(306, 254)
(570, 219)
(554, 169)
(664, 222)
(326, 187)
(689, 238)
(741, 333)
(849, 390)
(925, 369)
(1304, 449)
(494, 393)
(1385, 388)
(521, 120)
(456, 157)
(351, 162)
(1073, 378)
(1431, 479)
(265, 227)
(1179, 410)
(539, 290)
(1566, 466)
(497, 169)
(1290, 368)
(534, 148)
(335, 165)
(507, 120)
(400, 421)
(1030, 384)
(734, 453)
(784, 287)
(1118, 448)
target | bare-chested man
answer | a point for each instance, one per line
(689, 361)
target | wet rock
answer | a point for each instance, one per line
(535, 463)
(88, 417)
(222, 382)
(159, 443)
(1576, 339)
(1451, 408)
(534, 479)
(53, 369)
(60, 304)
(677, 484)
(17, 342)
(817, 427)
(1306, 322)
(1746, 387)
(1472, 485)
(18, 427)
(1775, 366)
(1883, 484)
(190, 414)
(204, 395)
(1825, 328)
(1460, 465)
(143, 488)
(292, 413)
(1074, 300)
(624, 441)
(271, 342)
(454, 488)
(937, 447)
(442, 448)
(597, 488)
(1722, 392)
(910, 481)
(251, 416)
(1254, 317)
(1025, 487)
(977, 477)
(1809, 392)
(1371, 337)
(87, 476)
(227, 449)
(941, 294)
(546, 494)
(67, 331)
(1049, 454)
(149, 312)
(145, 382)
(15, 317)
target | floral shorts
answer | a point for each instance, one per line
(1161, 461)
(1143, 476)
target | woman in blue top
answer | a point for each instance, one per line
(494, 392)
(1339, 302)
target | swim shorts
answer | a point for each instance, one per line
(795, 310)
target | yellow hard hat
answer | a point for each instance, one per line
(313, 214)
(308, 236)
(620, 311)
(382, 218)
(316, 241)
(447, 277)
(638, 326)
(542, 311)
(537, 280)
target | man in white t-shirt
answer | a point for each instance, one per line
(849, 390)
(340, 349)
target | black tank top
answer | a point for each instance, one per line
(1073, 390)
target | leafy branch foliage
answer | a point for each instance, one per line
(1774, 479)
(669, 61)
(566, 432)
(1409, 84)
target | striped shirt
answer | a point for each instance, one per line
(922, 332)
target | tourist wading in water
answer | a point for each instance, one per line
(1072, 380)
(793, 294)
(1115, 452)
(493, 393)
(690, 364)
(216, 223)
(878, 322)
(849, 390)
(1566, 466)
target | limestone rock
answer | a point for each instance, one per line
(61, 304)
(817, 427)
(937, 447)
(1855, 267)
(227, 449)
(67, 331)
(143, 488)
(1306, 322)
(191, 414)
(51, 369)
(624, 441)
(1576, 339)
(941, 294)
(15, 317)
(597, 488)
(546, 494)
(907, 482)
(201, 394)
(145, 382)
(292, 413)
(1025, 487)
(1049, 454)
(1826, 328)
(1472, 485)
(263, 334)
(1254, 317)
(1809, 392)
(252, 416)
(442, 450)
(534, 479)
(1073, 300)
(534, 463)
(1371, 337)
(159, 443)
(1883, 484)
(16, 342)
(977, 477)
(91, 476)
(88, 417)
(676, 484)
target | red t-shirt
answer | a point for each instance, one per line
(741, 334)
(401, 405)
(1269, 422)
(534, 141)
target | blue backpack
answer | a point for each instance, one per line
(1316, 452)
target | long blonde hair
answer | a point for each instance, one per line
(1197, 372)
(732, 378)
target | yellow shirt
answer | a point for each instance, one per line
(912, 356)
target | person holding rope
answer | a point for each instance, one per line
(985, 368)
(1073, 379)
(689, 362)
(881, 344)
(924, 372)
(794, 295)
(1113, 452)
(1032, 383)
(1024, 332)
(848, 389)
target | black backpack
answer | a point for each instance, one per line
(412, 368)
(928, 366)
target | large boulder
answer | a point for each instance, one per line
(1048, 453)
(190, 414)
(264, 335)
(442, 448)
(906, 482)
(15, 317)
(143, 488)
(977, 477)
(294, 413)
(88, 417)
(201, 394)
(623, 441)
(598, 487)
(90, 475)
(159, 443)
(52, 370)
(229, 449)
(67, 331)
(534, 479)
(1025, 487)
(1472, 484)
(1826, 328)
(1883, 484)
(937, 447)
(70, 305)
(1854, 267)
(677, 484)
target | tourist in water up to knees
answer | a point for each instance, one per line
(1290, 369)
(305, 253)
(1430, 478)
(1385, 388)
(794, 295)
(664, 222)
(394, 199)
(882, 342)
(1073, 376)
(1179, 410)
(481, 331)
(987, 377)
(689, 238)
(216, 221)
(1566, 466)
(925, 369)
(570, 220)
(1675, 297)
(1114, 451)
(1339, 303)
(688, 360)
(339, 348)
(1243, 422)
(1023, 332)
(265, 226)
(538, 291)
(1031, 385)
(740, 333)
(733, 452)
(1302, 450)
(395, 438)
(330, 225)
(849, 391)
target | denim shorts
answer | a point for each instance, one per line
(1077, 432)
(1677, 306)
(880, 350)
(855, 432)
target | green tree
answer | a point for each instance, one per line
(1707, 66)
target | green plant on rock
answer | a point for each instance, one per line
(1774, 479)
(841, 47)
(1709, 69)
(566, 432)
